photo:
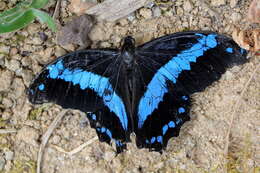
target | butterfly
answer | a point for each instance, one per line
(144, 90)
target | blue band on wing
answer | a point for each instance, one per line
(89, 80)
(170, 71)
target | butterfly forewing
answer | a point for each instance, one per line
(180, 65)
(86, 80)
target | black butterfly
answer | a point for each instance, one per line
(144, 89)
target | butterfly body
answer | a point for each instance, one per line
(144, 89)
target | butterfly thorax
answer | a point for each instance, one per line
(127, 51)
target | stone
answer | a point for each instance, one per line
(233, 3)
(131, 17)
(2, 163)
(56, 139)
(2, 60)
(123, 22)
(13, 51)
(218, 3)
(2, 5)
(59, 51)
(146, 13)
(149, 4)
(27, 76)
(18, 87)
(80, 6)
(235, 17)
(4, 49)
(187, 6)
(105, 44)
(26, 62)
(157, 12)
(43, 36)
(6, 77)
(12, 65)
(33, 28)
(7, 102)
(9, 155)
(28, 135)
(36, 40)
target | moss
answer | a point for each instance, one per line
(34, 114)
(238, 160)
(22, 166)
(2, 123)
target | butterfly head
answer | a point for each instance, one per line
(128, 49)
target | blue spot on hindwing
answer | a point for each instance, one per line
(153, 139)
(170, 72)
(159, 139)
(41, 87)
(97, 83)
(184, 98)
(164, 129)
(181, 110)
(229, 50)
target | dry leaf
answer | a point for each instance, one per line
(254, 12)
(76, 31)
(248, 39)
(80, 6)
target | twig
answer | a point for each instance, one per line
(214, 12)
(236, 107)
(57, 10)
(46, 137)
(78, 149)
(6, 131)
(111, 10)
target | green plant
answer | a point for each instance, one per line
(23, 14)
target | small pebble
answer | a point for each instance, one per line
(6, 78)
(9, 155)
(2, 5)
(7, 102)
(187, 6)
(59, 51)
(43, 36)
(235, 17)
(29, 135)
(27, 76)
(150, 4)
(33, 28)
(218, 3)
(105, 44)
(2, 163)
(13, 51)
(233, 3)
(25, 53)
(131, 17)
(156, 12)
(2, 60)
(4, 49)
(146, 13)
(12, 64)
(56, 139)
(26, 61)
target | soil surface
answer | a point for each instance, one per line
(229, 107)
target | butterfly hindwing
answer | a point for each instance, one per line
(86, 80)
(175, 67)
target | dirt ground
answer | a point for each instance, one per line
(225, 115)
